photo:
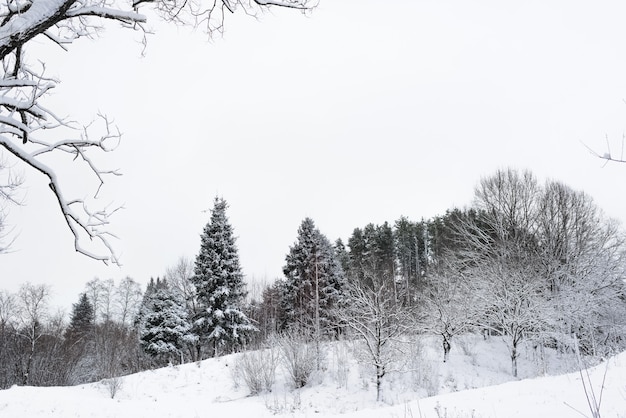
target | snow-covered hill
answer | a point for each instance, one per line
(345, 388)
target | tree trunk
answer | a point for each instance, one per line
(380, 373)
(514, 358)
(317, 318)
(446, 346)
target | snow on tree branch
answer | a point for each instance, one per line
(608, 155)
(30, 131)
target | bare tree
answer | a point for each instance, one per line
(8, 309)
(8, 330)
(30, 131)
(512, 303)
(94, 289)
(128, 296)
(582, 258)
(179, 278)
(544, 263)
(450, 307)
(107, 299)
(33, 310)
(373, 313)
(102, 294)
(500, 257)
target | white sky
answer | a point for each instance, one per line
(362, 112)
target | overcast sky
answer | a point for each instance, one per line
(361, 112)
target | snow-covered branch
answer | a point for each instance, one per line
(609, 155)
(30, 131)
(80, 221)
(294, 4)
(107, 13)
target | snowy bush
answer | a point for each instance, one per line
(284, 404)
(342, 364)
(113, 385)
(467, 343)
(257, 369)
(298, 357)
(424, 372)
(443, 412)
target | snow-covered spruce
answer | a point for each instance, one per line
(164, 328)
(220, 289)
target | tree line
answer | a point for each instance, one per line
(526, 261)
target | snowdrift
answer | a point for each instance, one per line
(207, 389)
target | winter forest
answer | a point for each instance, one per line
(528, 262)
(310, 138)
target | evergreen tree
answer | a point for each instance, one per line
(144, 307)
(220, 289)
(78, 344)
(412, 250)
(313, 281)
(82, 320)
(372, 253)
(342, 256)
(164, 327)
(356, 256)
(384, 252)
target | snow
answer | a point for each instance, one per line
(208, 388)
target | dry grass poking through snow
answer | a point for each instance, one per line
(475, 382)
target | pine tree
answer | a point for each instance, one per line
(164, 328)
(220, 289)
(342, 256)
(372, 253)
(313, 282)
(411, 248)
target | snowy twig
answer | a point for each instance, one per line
(608, 155)
(26, 124)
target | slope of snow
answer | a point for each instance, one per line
(345, 388)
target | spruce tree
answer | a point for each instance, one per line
(164, 328)
(313, 282)
(220, 289)
(79, 343)
(81, 321)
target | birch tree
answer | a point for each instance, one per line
(33, 308)
(38, 138)
(127, 300)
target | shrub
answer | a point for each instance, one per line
(257, 369)
(298, 357)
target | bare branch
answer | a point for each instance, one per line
(608, 156)
(27, 124)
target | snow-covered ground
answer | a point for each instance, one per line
(476, 382)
